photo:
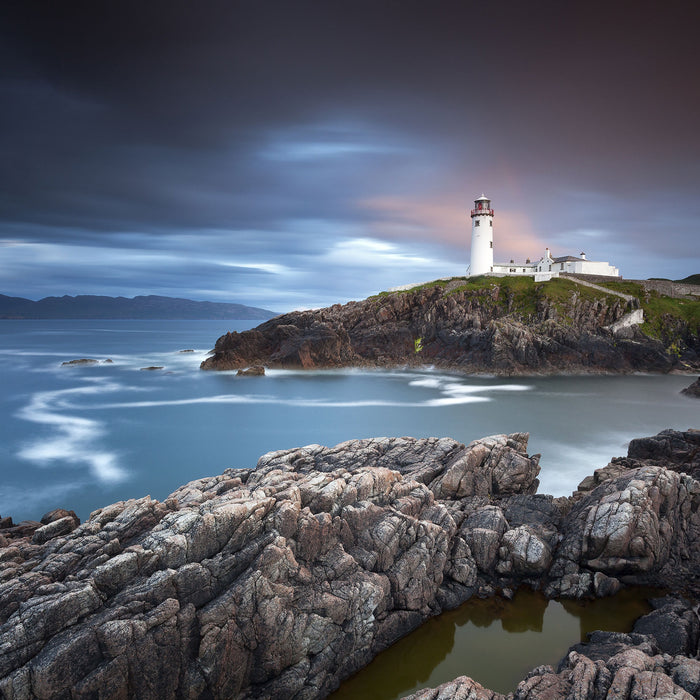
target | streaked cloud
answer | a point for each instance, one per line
(238, 154)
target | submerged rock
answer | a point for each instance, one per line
(693, 389)
(280, 581)
(254, 371)
(81, 361)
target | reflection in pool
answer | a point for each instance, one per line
(495, 641)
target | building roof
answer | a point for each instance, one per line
(568, 258)
(483, 196)
(516, 264)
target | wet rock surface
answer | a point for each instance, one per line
(254, 371)
(693, 389)
(282, 580)
(489, 329)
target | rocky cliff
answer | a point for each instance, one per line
(506, 326)
(280, 581)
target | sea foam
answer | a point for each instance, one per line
(74, 437)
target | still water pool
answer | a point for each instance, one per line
(495, 641)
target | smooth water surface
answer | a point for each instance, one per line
(495, 641)
(84, 436)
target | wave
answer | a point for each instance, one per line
(297, 402)
(74, 438)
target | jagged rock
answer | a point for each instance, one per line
(62, 526)
(639, 525)
(282, 580)
(679, 450)
(674, 449)
(462, 688)
(81, 361)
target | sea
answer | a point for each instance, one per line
(83, 436)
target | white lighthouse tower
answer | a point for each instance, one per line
(482, 237)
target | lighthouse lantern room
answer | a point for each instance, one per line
(482, 237)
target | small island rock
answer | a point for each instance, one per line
(693, 389)
(254, 371)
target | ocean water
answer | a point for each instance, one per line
(81, 437)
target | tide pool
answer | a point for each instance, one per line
(496, 642)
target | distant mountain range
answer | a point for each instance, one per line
(142, 307)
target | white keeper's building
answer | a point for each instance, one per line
(544, 269)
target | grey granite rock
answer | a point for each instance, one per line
(282, 580)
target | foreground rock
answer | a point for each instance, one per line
(282, 580)
(496, 328)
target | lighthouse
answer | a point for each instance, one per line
(482, 237)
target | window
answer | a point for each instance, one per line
(477, 223)
(490, 223)
(490, 244)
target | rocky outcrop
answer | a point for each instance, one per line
(282, 580)
(490, 328)
(693, 389)
(676, 450)
(254, 371)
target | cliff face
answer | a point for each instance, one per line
(279, 581)
(504, 327)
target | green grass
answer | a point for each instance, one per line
(427, 285)
(658, 310)
(521, 296)
(633, 288)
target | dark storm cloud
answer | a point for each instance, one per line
(188, 142)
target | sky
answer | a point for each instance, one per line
(292, 154)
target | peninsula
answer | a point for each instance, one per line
(140, 307)
(504, 325)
